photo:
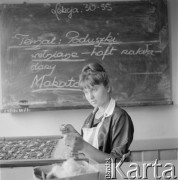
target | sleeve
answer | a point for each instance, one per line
(122, 136)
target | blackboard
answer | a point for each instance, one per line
(45, 45)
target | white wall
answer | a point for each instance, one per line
(151, 122)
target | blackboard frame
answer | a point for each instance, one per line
(152, 40)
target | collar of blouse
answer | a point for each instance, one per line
(109, 110)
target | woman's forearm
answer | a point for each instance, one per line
(96, 154)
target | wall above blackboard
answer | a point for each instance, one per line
(45, 45)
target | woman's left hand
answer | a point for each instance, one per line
(75, 142)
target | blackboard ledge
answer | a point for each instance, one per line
(127, 104)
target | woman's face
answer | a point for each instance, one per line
(98, 95)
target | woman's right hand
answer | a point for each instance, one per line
(67, 128)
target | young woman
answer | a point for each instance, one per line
(108, 130)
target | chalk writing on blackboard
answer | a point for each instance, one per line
(73, 38)
(43, 83)
(140, 51)
(45, 56)
(45, 46)
(88, 7)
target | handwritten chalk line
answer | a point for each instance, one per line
(152, 73)
(157, 51)
(58, 60)
(86, 53)
(34, 47)
(47, 89)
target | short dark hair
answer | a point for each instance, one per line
(93, 74)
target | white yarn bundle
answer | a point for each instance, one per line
(70, 168)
